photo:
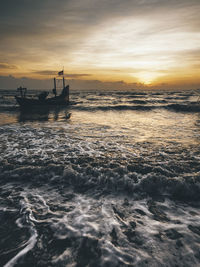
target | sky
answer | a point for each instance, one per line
(108, 44)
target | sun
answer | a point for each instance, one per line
(147, 77)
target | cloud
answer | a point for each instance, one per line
(190, 55)
(7, 66)
(49, 34)
(46, 72)
(55, 73)
(77, 75)
(79, 17)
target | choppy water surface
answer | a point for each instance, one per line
(117, 184)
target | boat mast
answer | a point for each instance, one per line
(54, 84)
(63, 78)
(54, 90)
(63, 82)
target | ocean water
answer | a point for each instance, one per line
(117, 184)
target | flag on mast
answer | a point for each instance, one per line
(61, 72)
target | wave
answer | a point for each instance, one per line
(114, 107)
(191, 107)
(128, 93)
(143, 106)
(89, 175)
(141, 102)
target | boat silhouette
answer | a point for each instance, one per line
(42, 100)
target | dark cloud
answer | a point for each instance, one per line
(68, 75)
(46, 72)
(36, 17)
(7, 66)
(77, 75)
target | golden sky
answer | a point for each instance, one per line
(142, 42)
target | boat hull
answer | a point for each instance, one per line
(28, 103)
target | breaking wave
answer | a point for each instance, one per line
(87, 175)
(174, 107)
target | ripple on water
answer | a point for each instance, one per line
(65, 228)
(99, 193)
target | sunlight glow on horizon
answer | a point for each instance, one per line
(127, 45)
(148, 49)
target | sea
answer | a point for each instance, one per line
(116, 184)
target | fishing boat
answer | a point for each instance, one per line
(42, 100)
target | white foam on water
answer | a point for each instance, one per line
(126, 230)
(29, 245)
